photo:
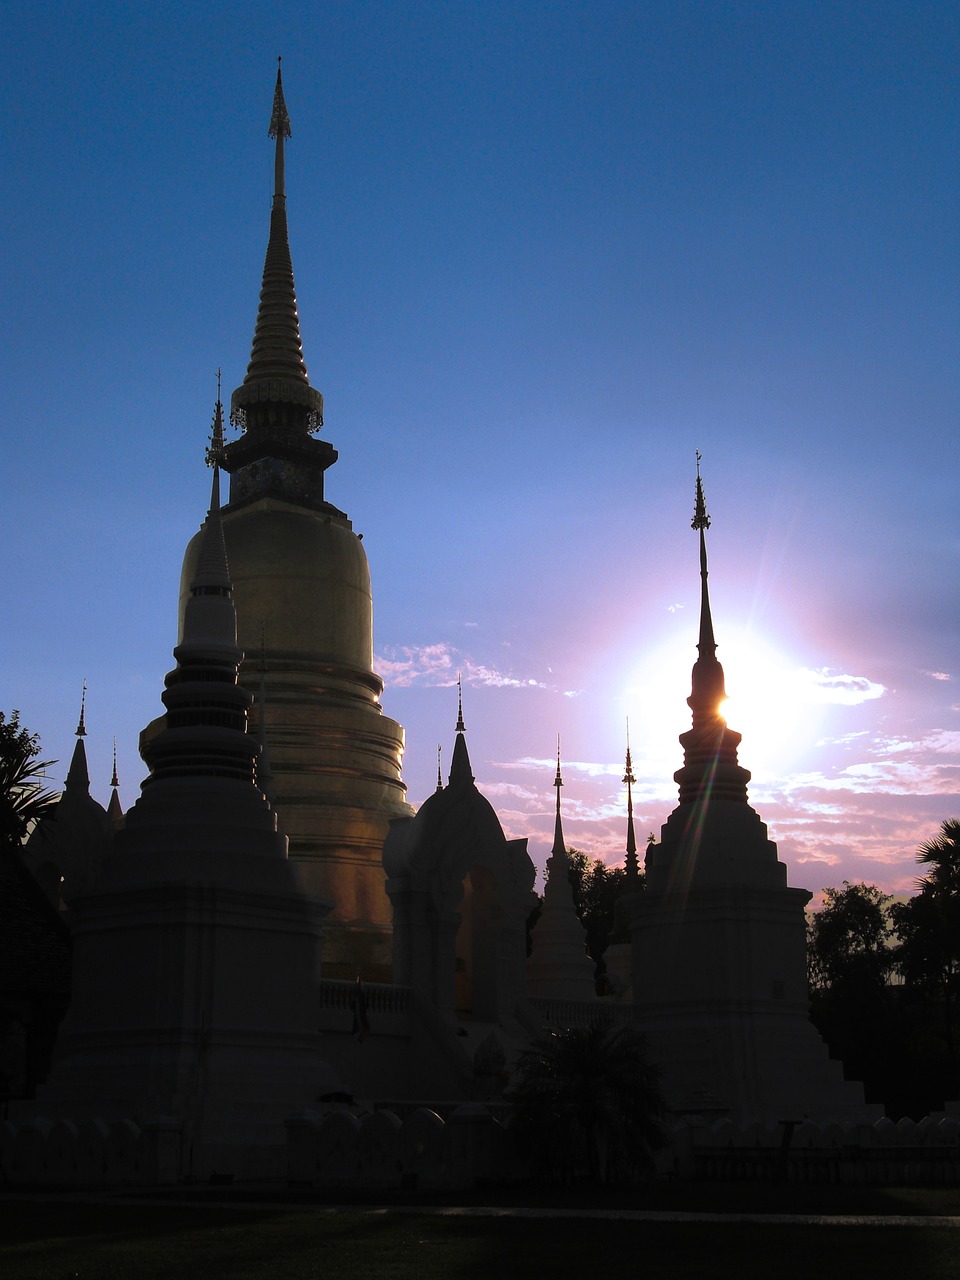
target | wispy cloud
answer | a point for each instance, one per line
(938, 675)
(588, 768)
(440, 664)
(824, 685)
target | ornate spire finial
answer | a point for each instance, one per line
(439, 774)
(114, 779)
(706, 645)
(279, 119)
(559, 847)
(628, 777)
(632, 866)
(81, 725)
(460, 772)
(700, 518)
(279, 129)
(214, 453)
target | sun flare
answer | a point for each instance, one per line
(771, 701)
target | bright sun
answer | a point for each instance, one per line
(770, 701)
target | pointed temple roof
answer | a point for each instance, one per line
(710, 767)
(70, 842)
(115, 808)
(455, 827)
(559, 966)
(78, 775)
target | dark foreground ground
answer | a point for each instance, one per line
(235, 1233)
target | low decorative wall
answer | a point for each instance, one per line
(924, 1153)
(472, 1146)
(469, 1148)
(91, 1154)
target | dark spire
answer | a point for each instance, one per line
(214, 454)
(114, 808)
(559, 848)
(632, 867)
(710, 765)
(708, 690)
(276, 396)
(78, 775)
(460, 772)
(205, 734)
(559, 965)
(461, 727)
(439, 774)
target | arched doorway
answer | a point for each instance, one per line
(477, 946)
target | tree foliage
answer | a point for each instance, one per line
(928, 926)
(849, 939)
(23, 801)
(900, 1038)
(596, 888)
(588, 1103)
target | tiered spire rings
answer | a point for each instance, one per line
(276, 393)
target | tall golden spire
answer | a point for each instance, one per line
(276, 394)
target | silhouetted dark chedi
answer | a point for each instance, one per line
(719, 938)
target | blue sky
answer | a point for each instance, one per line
(543, 253)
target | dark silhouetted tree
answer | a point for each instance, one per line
(23, 801)
(928, 926)
(596, 888)
(849, 940)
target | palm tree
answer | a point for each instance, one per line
(943, 854)
(928, 925)
(23, 801)
(588, 1101)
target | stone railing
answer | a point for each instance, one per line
(471, 1145)
(581, 1013)
(89, 1154)
(379, 1150)
(380, 997)
(925, 1153)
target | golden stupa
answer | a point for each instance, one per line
(305, 614)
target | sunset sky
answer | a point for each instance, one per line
(544, 252)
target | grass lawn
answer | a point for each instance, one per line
(68, 1240)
